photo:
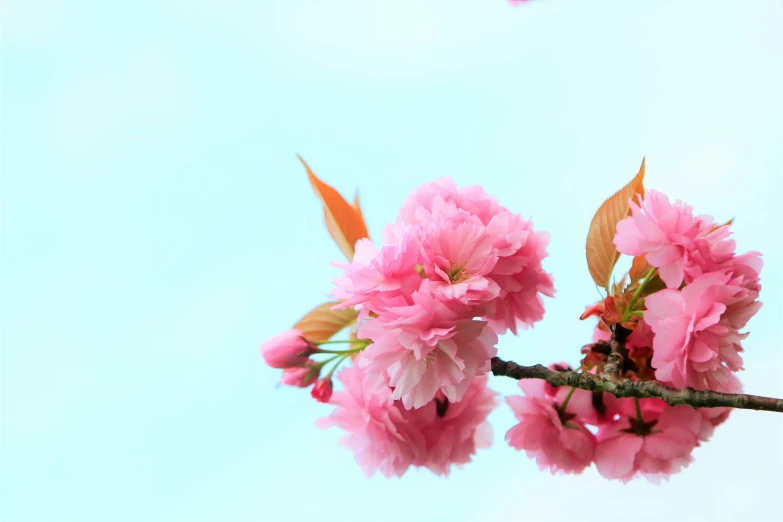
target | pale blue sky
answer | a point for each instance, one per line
(157, 227)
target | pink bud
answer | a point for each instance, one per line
(322, 391)
(303, 376)
(287, 349)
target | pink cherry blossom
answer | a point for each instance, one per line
(690, 336)
(454, 430)
(425, 348)
(458, 256)
(301, 376)
(655, 446)
(556, 440)
(377, 279)
(665, 233)
(379, 433)
(287, 349)
(442, 199)
(519, 273)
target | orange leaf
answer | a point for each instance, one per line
(601, 252)
(639, 268)
(358, 210)
(321, 323)
(344, 221)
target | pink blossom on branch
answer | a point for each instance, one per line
(376, 279)
(458, 256)
(386, 437)
(666, 234)
(426, 350)
(556, 439)
(692, 336)
(455, 430)
(510, 275)
(655, 445)
(381, 437)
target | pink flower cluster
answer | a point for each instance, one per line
(686, 334)
(655, 441)
(456, 270)
(711, 292)
(386, 437)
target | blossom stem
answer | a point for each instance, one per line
(349, 341)
(352, 350)
(638, 293)
(563, 406)
(639, 417)
(330, 359)
(337, 364)
(641, 389)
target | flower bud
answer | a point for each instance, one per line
(322, 391)
(302, 376)
(287, 349)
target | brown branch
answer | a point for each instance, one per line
(618, 354)
(641, 389)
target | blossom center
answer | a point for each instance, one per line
(457, 273)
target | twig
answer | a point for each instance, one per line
(613, 369)
(641, 389)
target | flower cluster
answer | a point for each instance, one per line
(386, 437)
(456, 270)
(711, 292)
(632, 437)
(679, 326)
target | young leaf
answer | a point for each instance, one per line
(601, 252)
(321, 323)
(358, 210)
(639, 268)
(344, 221)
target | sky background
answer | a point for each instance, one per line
(157, 227)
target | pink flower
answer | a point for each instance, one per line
(426, 347)
(665, 233)
(454, 430)
(655, 446)
(519, 273)
(287, 349)
(322, 391)
(301, 376)
(442, 198)
(380, 435)
(690, 336)
(377, 279)
(557, 440)
(458, 255)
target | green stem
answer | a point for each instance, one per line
(562, 407)
(340, 352)
(349, 341)
(330, 359)
(638, 293)
(639, 417)
(337, 364)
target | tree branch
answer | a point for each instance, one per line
(641, 389)
(616, 359)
